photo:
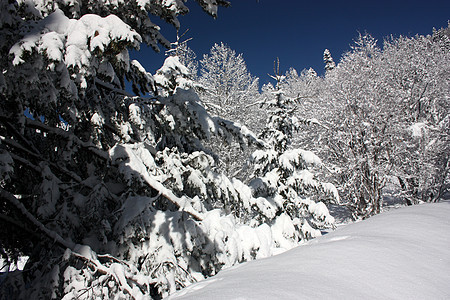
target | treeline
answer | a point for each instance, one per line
(381, 116)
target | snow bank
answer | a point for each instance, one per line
(401, 254)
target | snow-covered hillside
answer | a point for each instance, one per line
(401, 254)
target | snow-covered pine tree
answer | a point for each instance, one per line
(328, 60)
(179, 69)
(283, 175)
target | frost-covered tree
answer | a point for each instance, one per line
(387, 113)
(186, 55)
(306, 87)
(230, 91)
(417, 76)
(328, 60)
(283, 174)
(360, 130)
(229, 86)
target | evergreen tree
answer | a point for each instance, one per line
(283, 174)
(328, 60)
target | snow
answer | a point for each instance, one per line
(85, 251)
(255, 238)
(418, 129)
(97, 119)
(135, 162)
(319, 210)
(195, 179)
(5, 267)
(173, 68)
(132, 208)
(310, 158)
(331, 189)
(74, 42)
(305, 177)
(400, 254)
(266, 208)
(283, 233)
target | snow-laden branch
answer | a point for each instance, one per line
(181, 203)
(116, 270)
(112, 87)
(134, 164)
(67, 135)
(51, 234)
(16, 133)
(17, 146)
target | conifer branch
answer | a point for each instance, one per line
(67, 135)
(50, 233)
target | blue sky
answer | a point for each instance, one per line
(298, 31)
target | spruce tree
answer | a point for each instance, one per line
(328, 60)
(283, 175)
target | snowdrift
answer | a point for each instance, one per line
(400, 254)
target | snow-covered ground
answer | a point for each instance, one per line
(400, 254)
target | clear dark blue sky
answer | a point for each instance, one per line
(298, 31)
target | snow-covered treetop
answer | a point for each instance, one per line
(328, 60)
(225, 77)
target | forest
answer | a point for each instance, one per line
(116, 183)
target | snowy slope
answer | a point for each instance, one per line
(401, 254)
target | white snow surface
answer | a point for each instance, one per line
(400, 254)
(418, 129)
